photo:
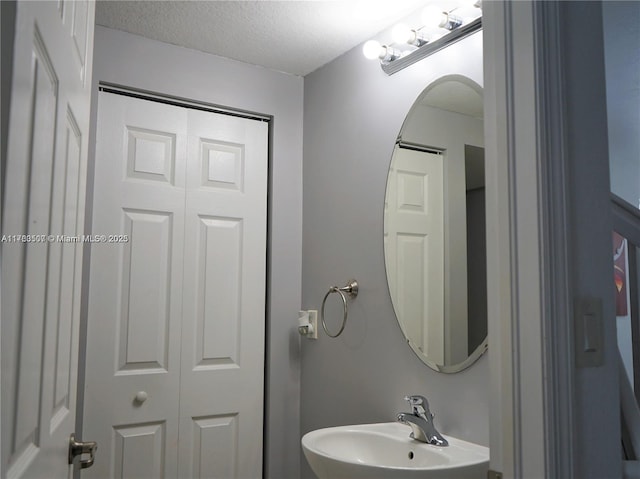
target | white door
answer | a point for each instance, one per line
(43, 211)
(221, 398)
(415, 239)
(135, 288)
(176, 305)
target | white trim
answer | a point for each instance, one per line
(545, 126)
(555, 238)
(531, 354)
(496, 38)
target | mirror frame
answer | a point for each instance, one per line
(484, 345)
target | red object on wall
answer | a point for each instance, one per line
(620, 274)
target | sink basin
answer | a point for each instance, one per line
(385, 450)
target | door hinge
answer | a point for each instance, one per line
(494, 474)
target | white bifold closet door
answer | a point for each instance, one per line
(414, 243)
(175, 341)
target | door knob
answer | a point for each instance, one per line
(141, 396)
(77, 448)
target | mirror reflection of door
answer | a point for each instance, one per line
(437, 282)
(415, 239)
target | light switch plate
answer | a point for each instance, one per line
(589, 332)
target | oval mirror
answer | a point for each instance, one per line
(434, 226)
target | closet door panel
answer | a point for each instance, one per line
(132, 379)
(224, 297)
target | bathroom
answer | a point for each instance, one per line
(331, 138)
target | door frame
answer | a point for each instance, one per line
(543, 249)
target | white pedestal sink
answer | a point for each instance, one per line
(385, 450)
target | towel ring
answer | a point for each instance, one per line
(351, 289)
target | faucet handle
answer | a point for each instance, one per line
(419, 406)
(416, 400)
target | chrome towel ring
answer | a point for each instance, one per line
(351, 289)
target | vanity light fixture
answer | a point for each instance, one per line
(434, 17)
(401, 33)
(373, 49)
(450, 21)
(440, 29)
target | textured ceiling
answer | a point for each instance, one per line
(295, 37)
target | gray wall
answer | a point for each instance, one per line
(621, 25)
(134, 61)
(352, 115)
(596, 389)
(621, 20)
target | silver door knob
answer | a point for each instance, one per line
(78, 448)
(141, 396)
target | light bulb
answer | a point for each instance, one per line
(433, 17)
(372, 50)
(401, 33)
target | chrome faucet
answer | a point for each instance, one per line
(421, 422)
